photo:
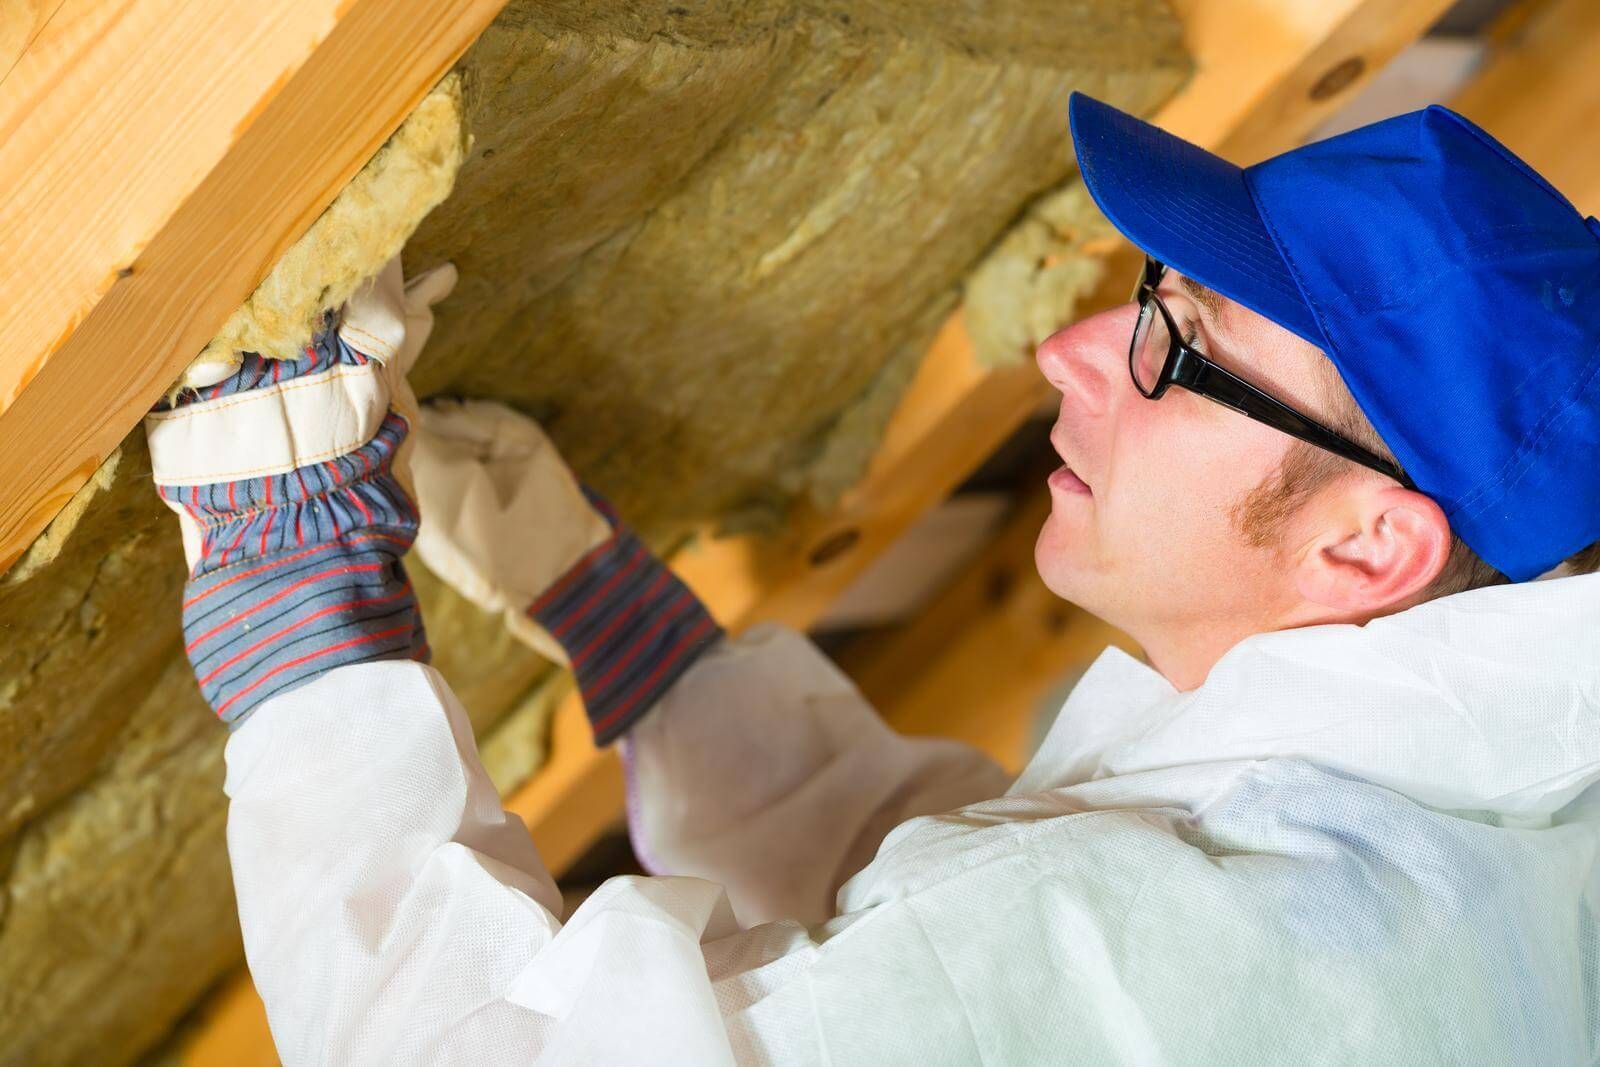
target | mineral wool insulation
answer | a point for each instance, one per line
(705, 243)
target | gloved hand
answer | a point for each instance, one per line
(290, 484)
(509, 527)
(505, 516)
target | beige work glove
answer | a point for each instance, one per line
(502, 515)
(507, 524)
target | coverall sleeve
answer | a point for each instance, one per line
(751, 761)
(393, 912)
(385, 899)
(765, 770)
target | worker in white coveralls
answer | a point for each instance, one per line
(1347, 812)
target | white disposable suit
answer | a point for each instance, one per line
(1366, 845)
(1362, 845)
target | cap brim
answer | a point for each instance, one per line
(1188, 208)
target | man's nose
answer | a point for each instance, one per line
(1088, 360)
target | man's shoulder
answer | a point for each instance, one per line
(1296, 908)
(1296, 904)
(1317, 852)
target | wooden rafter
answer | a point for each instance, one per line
(157, 159)
(1539, 94)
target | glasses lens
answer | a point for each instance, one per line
(1147, 357)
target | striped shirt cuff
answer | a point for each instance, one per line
(628, 625)
(299, 572)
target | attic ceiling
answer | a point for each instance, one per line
(705, 243)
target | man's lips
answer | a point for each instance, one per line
(1066, 481)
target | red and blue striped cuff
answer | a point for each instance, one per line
(628, 625)
(299, 572)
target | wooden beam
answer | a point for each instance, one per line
(20, 23)
(1271, 70)
(1267, 71)
(157, 158)
(1539, 94)
(233, 1032)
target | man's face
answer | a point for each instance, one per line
(1141, 529)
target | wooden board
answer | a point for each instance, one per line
(1270, 70)
(20, 23)
(1267, 72)
(1540, 94)
(158, 157)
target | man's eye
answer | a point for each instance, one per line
(1191, 335)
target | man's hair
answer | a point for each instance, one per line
(1306, 470)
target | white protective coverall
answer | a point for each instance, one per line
(1364, 845)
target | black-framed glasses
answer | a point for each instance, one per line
(1158, 357)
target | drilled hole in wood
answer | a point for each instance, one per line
(1338, 79)
(834, 545)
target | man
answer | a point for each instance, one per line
(1339, 817)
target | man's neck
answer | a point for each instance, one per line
(1182, 667)
(1185, 657)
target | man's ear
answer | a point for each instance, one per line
(1383, 546)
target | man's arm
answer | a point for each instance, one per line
(753, 761)
(391, 910)
(761, 766)
(386, 901)
(393, 914)
(766, 770)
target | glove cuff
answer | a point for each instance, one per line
(301, 571)
(270, 416)
(629, 626)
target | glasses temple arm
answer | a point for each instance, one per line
(1217, 383)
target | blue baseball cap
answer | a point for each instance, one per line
(1456, 292)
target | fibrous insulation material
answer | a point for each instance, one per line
(47, 546)
(1030, 283)
(365, 226)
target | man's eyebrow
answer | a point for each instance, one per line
(1206, 298)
